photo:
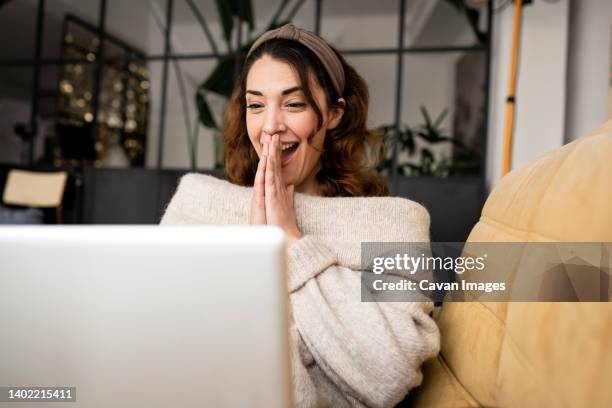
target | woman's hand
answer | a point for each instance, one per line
(278, 198)
(258, 205)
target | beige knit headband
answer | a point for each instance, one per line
(316, 44)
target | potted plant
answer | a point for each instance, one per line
(417, 142)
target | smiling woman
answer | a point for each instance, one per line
(281, 109)
(296, 148)
(286, 89)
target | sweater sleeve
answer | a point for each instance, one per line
(371, 352)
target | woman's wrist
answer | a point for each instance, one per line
(293, 236)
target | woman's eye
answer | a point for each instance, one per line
(296, 105)
(254, 106)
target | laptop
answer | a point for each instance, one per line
(144, 316)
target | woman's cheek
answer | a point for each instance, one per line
(303, 127)
(254, 135)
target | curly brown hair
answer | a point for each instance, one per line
(344, 170)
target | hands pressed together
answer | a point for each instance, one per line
(272, 201)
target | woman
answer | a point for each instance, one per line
(296, 148)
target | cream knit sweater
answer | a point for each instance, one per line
(345, 352)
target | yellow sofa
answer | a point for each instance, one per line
(515, 354)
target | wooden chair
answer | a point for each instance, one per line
(36, 189)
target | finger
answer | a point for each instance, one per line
(258, 205)
(278, 149)
(278, 162)
(272, 154)
(266, 144)
(258, 184)
(274, 161)
(270, 170)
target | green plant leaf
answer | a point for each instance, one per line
(244, 10)
(384, 165)
(425, 116)
(472, 17)
(432, 136)
(431, 131)
(427, 160)
(221, 79)
(406, 140)
(427, 154)
(204, 114)
(227, 20)
(228, 9)
(413, 169)
(465, 161)
(440, 118)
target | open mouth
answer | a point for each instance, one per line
(288, 151)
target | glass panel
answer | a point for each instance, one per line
(123, 113)
(129, 23)
(123, 100)
(303, 17)
(74, 114)
(15, 97)
(447, 91)
(187, 143)
(153, 113)
(47, 146)
(189, 34)
(15, 112)
(343, 25)
(138, 23)
(18, 29)
(379, 74)
(438, 23)
(56, 15)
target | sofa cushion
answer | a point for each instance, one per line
(536, 354)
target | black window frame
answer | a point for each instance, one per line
(37, 62)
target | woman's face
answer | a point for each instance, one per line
(276, 105)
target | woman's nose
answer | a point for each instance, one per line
(274, 122)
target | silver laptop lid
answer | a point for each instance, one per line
(146, 316)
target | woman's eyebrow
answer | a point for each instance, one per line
(285, 92)
(291, 90)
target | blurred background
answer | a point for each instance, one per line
(126, 96)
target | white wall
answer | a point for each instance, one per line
(540, 111)
(588, 66)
